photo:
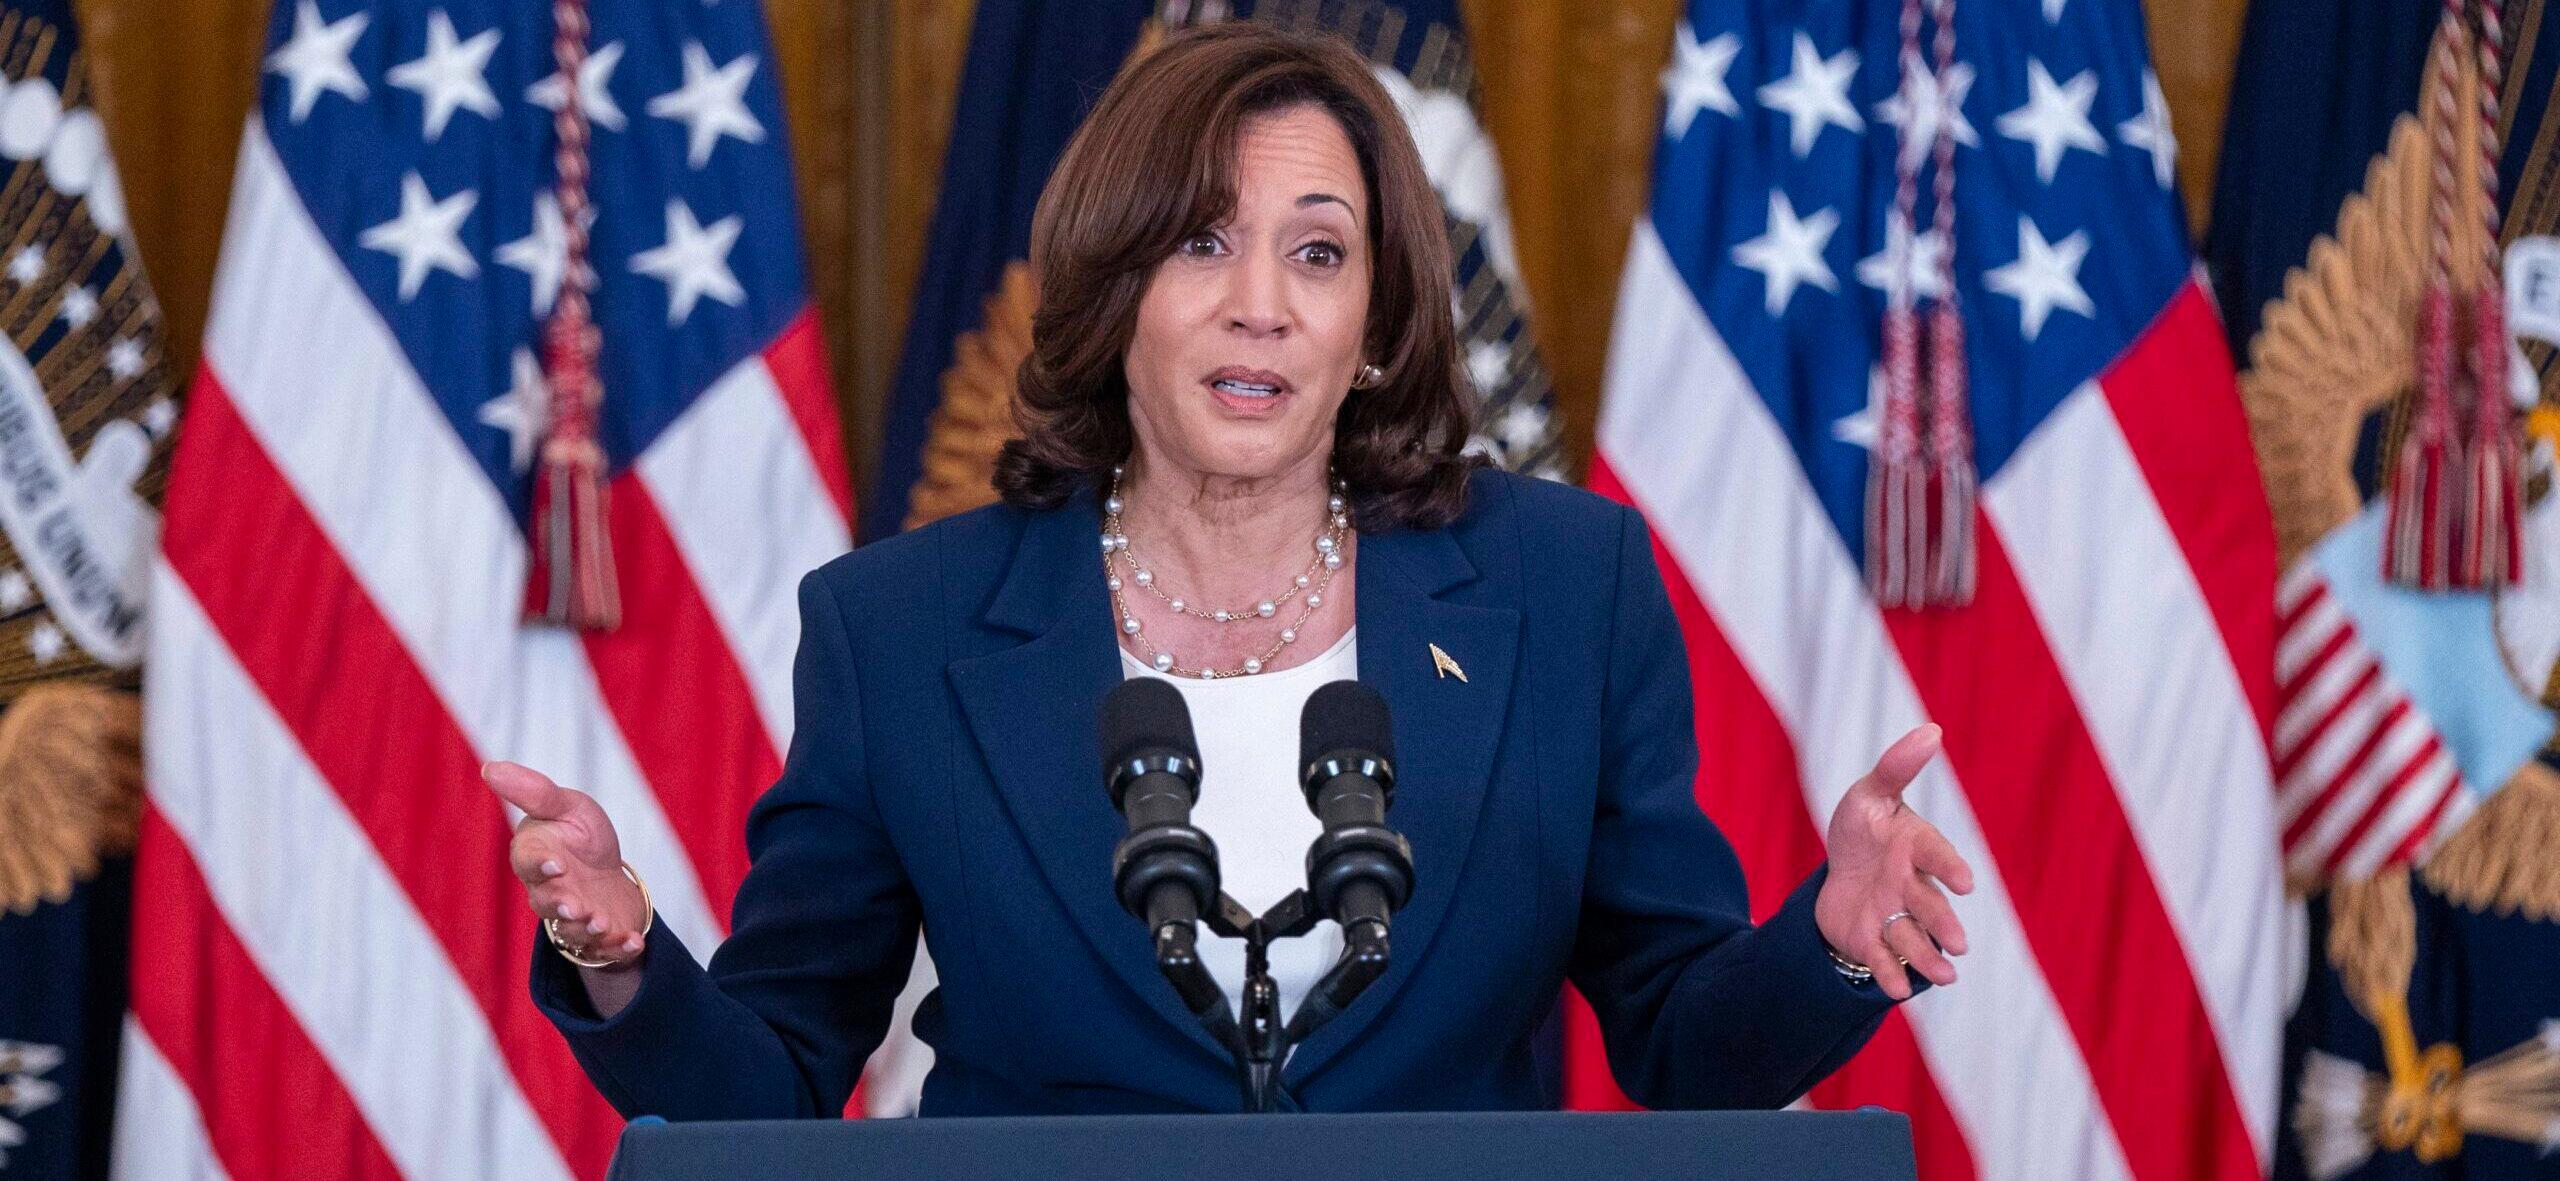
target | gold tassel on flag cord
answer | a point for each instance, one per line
(1920, 476)
(2455, 495)
(571, 579)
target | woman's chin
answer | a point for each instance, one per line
(1251, 450)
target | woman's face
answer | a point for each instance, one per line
(1250, 333)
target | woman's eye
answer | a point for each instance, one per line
(1323, 254)
(1200, 245)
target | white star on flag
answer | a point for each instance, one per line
(1920, 103)
(27, 265)
(79, 307)
(2053, 10)
(543, 253)
(449, 75)
(315, 60)
(1861, 427)
(1919, 259)
(2056, 118)
(1488, 363)
(1694, 80)
(15, 591)
(124, 359)
(1789, 252)
(1523, 427)
(2149, 132)
(595, 89)
(1814, 94)
(2045, 276)
(46, 642)
(711, 103)
(426, 236)
(159, 416)
(694, 261)
(523, 411)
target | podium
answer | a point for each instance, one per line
(1403, 1146)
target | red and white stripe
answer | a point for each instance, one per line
(175, 1146)
(2363, 780)
(2106, 769)
(337, 645)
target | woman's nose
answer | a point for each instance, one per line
(1257, 297)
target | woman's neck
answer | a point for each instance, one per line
(1225, 536)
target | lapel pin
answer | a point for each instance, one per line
(1445, 667)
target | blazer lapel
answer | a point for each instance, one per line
(1448, 725)
(1034, 708)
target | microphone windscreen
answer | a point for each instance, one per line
(1345, 716)
(1145, 713)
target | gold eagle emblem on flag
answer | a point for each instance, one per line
(2334, 349)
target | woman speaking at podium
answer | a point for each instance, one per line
(1240, 469)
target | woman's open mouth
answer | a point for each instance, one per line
(1248, 392)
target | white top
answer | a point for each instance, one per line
(1250, 804)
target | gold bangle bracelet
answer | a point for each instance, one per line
(649, 922)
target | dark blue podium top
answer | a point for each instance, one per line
(1403, 1146)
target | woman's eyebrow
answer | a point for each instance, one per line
(1321, 198)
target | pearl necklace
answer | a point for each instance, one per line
(1312, 584)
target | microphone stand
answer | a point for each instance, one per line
(1259, 1042)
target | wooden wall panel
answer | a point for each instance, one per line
(810, 39)
(1570, 96)
(174, 83)
(916, 49)
(2193, 43)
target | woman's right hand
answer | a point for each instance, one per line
(566, 854)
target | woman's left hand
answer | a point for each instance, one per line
(1887, 861)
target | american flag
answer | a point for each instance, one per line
(2106, 692)
(333, 953)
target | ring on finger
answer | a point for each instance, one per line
(576, 945)
(580, 950)
(1884, 935)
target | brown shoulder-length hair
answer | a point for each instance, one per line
(1156, 163)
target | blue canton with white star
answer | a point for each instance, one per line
(419, 136)
(1774, 179)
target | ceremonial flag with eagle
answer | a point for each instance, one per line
(85, 415)
(2418, 784)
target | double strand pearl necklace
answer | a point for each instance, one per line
(1121, 567)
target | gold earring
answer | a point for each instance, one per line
(1368, 377)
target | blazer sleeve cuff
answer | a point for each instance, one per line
(1793, 946)
(636, 1039)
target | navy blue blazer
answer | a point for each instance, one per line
(945, 770)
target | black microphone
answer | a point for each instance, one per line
(1165, 870)
(1359, 871)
